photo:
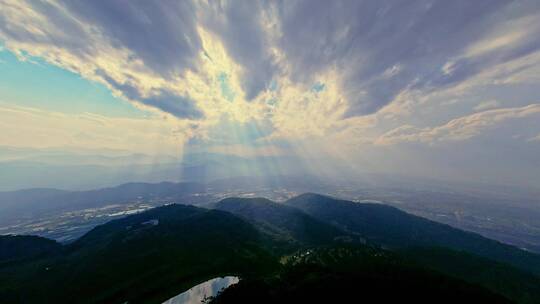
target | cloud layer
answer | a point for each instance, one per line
(458, 129)
(338, 69)
(28, 127)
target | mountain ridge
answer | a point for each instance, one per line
(391, 227)
(175, 246)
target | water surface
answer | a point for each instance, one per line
(197, 293)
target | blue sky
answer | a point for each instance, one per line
(428, 87)
(36, 83)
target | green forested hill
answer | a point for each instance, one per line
(21, 247)
(289, 227)
(147, 257)
(354, 275)
(281, 253)
(521, 286)
(392, 228)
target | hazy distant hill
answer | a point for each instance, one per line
(30, 168)
(34, 202)
(30, 203)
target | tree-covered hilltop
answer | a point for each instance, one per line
(516, 284)
(287, 227)
(354, 275)
(392, 228)
(147, 257)
(16, 248)
(382, 225)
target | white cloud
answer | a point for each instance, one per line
(486, 105)
(535, 138)
(133, 70)
(392, 71)
(174, 57)
(458, 129)
(34, 128)
(495, 43)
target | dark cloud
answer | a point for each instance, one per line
(363, 39)
(162, 33)
(239, 26)
(378, 47)
(72, 37)
(179, 106)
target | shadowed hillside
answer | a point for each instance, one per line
(143, 258)
(392, 228)
(281, 253)
(283, 223)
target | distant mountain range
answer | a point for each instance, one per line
(47, 168)
(510, 219)
(30, 203)
(35, 202)
(310, 247)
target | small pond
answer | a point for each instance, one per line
(197, 293)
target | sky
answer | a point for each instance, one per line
(440, 89)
